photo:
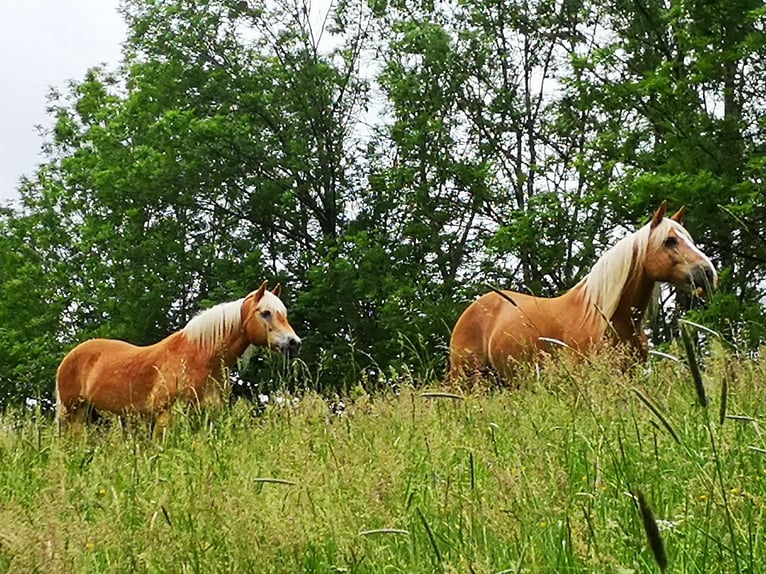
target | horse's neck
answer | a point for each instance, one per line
(628, 318)
(233, 346)
(224, 352)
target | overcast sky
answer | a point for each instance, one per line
(44, 43)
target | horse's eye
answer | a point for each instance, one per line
(266, 314)
(671, 242)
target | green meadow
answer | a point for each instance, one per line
(545, 477)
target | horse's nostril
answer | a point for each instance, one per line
(294, 343)
(703, 279)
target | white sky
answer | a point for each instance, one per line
(44, 43)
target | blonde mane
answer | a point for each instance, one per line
(604, 284)
(210, 326)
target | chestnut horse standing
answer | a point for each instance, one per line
(117, 377)
(607, 304)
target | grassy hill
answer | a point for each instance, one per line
(545, 478)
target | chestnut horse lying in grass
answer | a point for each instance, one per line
(114, 376)
(609, 303)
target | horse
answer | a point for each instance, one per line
(503, 328)
(109, 375)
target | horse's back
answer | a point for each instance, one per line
(91, 365)
(471, 341)
(86, 354)
(497, 329)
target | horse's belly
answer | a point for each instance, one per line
(120, 393)
(129, 381)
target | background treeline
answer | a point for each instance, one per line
(385, 163)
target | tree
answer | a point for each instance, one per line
(30, 312)
(385, 168)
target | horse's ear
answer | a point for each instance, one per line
(679, 215)
(277, 290)
(660, 213)
(258, 293)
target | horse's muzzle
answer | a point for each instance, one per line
(703, 280)
(291, 347)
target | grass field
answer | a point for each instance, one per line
(545, 478)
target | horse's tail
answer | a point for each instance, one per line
(59, 404)
(62, 412)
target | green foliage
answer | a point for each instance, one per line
(30, 330)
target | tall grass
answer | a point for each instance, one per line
(540, 479)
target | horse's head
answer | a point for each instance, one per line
(264, 318)
(673, 257)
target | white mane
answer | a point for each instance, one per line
(212, 325)
(605, 282)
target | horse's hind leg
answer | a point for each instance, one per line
(71, 407)
(160, 422)
(465, 367)
(71, 417)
